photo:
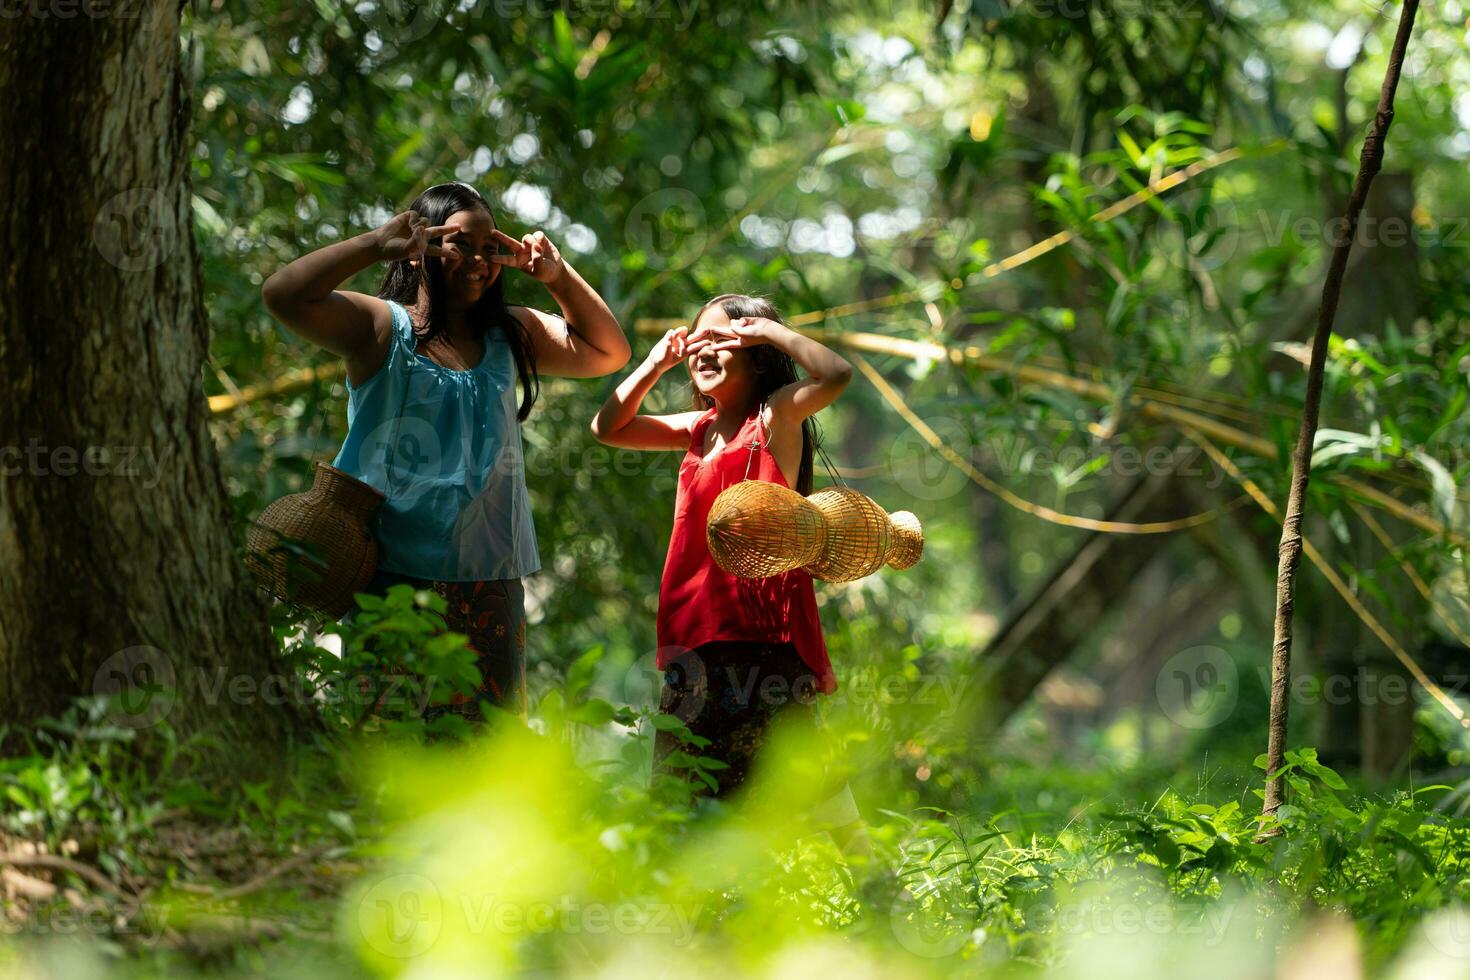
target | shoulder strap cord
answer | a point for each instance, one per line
(756, 444)
(837, 479)
(391, 488)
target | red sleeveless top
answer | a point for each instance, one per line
(698, 601)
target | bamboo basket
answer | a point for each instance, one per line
(757, 528)
(858, 533)
(905, 541)
(331, 520)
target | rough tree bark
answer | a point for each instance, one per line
(117, 564)
(1290, 551)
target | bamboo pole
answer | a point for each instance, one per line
(1290, 552)
(287, 383)
(1146, 404)
(921, 350)
(1335, 579)
(897, 403)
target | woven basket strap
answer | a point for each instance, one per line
(756, 443)
(837, 479)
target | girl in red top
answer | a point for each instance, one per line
(734, 651)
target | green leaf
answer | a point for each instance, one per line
(582, 671)
(1327, 775)
(553, 705)
(1132, 149)
(841, 151)
(845, 111)
(406, 149)
(1441, 483)
(594, 711)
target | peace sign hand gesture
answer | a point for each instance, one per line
(406, 236)
(534, 255)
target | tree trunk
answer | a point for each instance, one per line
(117, 564)
(1290, 552)
(1067, 610)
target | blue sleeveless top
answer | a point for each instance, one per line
(444, 447)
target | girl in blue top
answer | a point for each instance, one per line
(432, 366)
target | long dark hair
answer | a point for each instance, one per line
(490, 312)
(774, 370)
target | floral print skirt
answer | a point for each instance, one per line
(492, 616)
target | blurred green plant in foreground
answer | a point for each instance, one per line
(546, 849)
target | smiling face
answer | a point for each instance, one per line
(726, 375)
(468, 279)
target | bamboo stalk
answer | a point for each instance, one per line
(1335, 579)
(1396, 553)
(1290, 551)
(912, 350)
(287, 383)
(897, 403)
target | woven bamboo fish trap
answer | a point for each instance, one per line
(314, 547)
(857, 535)
(905, 540)
(757, 529)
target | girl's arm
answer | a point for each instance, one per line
(618, 423)
(595, 345)
(304, 296)
(827, 371)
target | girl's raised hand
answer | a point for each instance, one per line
(745, 331)
(406, 236)
(534, 255)
(669, 349)
(673, 347)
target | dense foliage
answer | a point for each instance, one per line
(825, 154)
